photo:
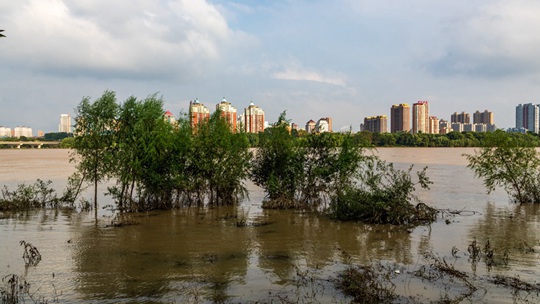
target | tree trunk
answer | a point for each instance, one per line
(95, 198)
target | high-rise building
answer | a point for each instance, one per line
(400, 118)
(433, 125)
(65, 123)
(22, 131)
(5, 132)
(253, 119)
(485, 117)
(310, 126)
(527, 117)
(198, 113)
(376, 124)
(420, 123)
(461, 117)
(228, 111)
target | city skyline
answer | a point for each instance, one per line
(343, 59)
(399, 114)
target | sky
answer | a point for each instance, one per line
(343, 59)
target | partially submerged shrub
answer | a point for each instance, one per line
(384, 194)
(13, 289)
(367, 284)
(25, 197)
(511, 163)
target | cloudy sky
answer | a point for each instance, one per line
(342, 58)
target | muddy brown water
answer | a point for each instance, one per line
(199, 255)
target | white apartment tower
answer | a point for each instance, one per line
(420, 123)
(65, 123)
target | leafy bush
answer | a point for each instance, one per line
(511, 163)
(25, 197)
(383, 194)
(278, 165)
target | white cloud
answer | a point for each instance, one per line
(116, 37)
(500, 39)
(297, 72)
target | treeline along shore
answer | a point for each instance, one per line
(364, 138)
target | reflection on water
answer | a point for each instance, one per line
(201, 254)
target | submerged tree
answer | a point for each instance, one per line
(95, 125)
(334, 171)
(383, 195)
(143, 163)
(218, 161)
(279, 164)
(509, 162)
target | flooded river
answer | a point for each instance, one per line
(200, 255)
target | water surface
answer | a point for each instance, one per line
(201, 255)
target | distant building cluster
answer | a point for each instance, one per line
(420, 121)
(64, 126)
(251, 121)
(482, 122)
(16, 132)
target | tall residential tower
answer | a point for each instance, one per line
(198, 113)
(420, 123)
(400, 118)
(65, 123)
(228, 111)
(375, 124)
(253, 119)
(527, 117)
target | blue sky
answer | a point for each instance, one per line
(344, 59)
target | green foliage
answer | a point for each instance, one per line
(278, 164)
(143, 144)
(332, 168)
(383, 194)
(330, 164)
(452, 139)
(158, 165)
(219, 160)
(510, 162)
(56, 136)
(67, 143)
(95, 125)
(26, 197)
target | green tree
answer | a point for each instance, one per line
(95, 126)
(220, 159)
(278, 164)
(67, 143)
(56, 136)
(143, 161)
(510, 162)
